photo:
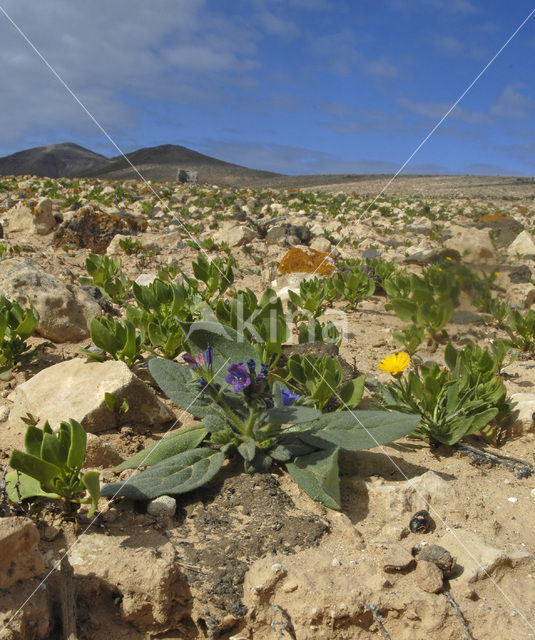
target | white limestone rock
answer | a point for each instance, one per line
(75, 389)
(65, 310)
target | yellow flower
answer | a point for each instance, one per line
(496, 273)
(395, 363)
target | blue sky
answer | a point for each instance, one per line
(295, 86)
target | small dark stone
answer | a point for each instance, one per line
(438, 555)
(520, 274)
(465, 316)
(420, 522)
(370, 254)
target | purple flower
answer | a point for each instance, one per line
(200, 359)
(238, 377)
(288, 397)
(263, 373)
(209, 355)
(202, 383)
(251, 365)
(189, 359)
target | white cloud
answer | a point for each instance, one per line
(112, 54)
(452, 46)
(447, 6)
(435, 111)
(511, 103)
(277, 26)
(381, 68)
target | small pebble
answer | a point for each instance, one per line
(290, 586)
(512, 499)
(162, 507)
(429, 577)
(397, 558)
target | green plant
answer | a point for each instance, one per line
(9, 251)
(112, 402)
(169, 272)
(314, 331)
(352, 286)
(216, 276)
(314, 296)
(119, 339)
(162, 309)
(410, 338)
(207, 244)
(260, 321)
(50, 467)
(130, 245)
(425, 306)
(521, 330)
(318, 380)
(107, 275)
(242, 415)
(455, 402)
(16, 325)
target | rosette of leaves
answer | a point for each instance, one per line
(318, 380)
(50, 466)
(216, 275)
(245, 414)
(425, 307)
(161, 310)
(119, 339)
(455, 402)
(16, 325)
(314, 331)
(314, 296)
(262, 322)
(106, 274)
(521, 330)
(353, 285)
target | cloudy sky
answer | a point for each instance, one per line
(295, 86)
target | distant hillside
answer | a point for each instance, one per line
(161, 163)
(53, 161)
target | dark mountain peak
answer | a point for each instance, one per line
(65, 159)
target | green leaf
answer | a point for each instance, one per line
(317, 474)
(178, 474)
(91, 482)
(102, 337)
(28, 487)
(33, 440)
(76, 455)
(227, 343)
(53, 451)
(34, 467)
(175, 381)
(351, 393)
(247, 449)
(357, 430)
(405, 309)
(292, 414)
(111, 401)
(183, 440)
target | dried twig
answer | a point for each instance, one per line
(522, 468)
(459, 614)
(376, 612)
(284, 623)
(68, 604)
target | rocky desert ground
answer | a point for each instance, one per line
(252, 557)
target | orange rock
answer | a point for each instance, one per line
(306, 260)
(495, 217)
